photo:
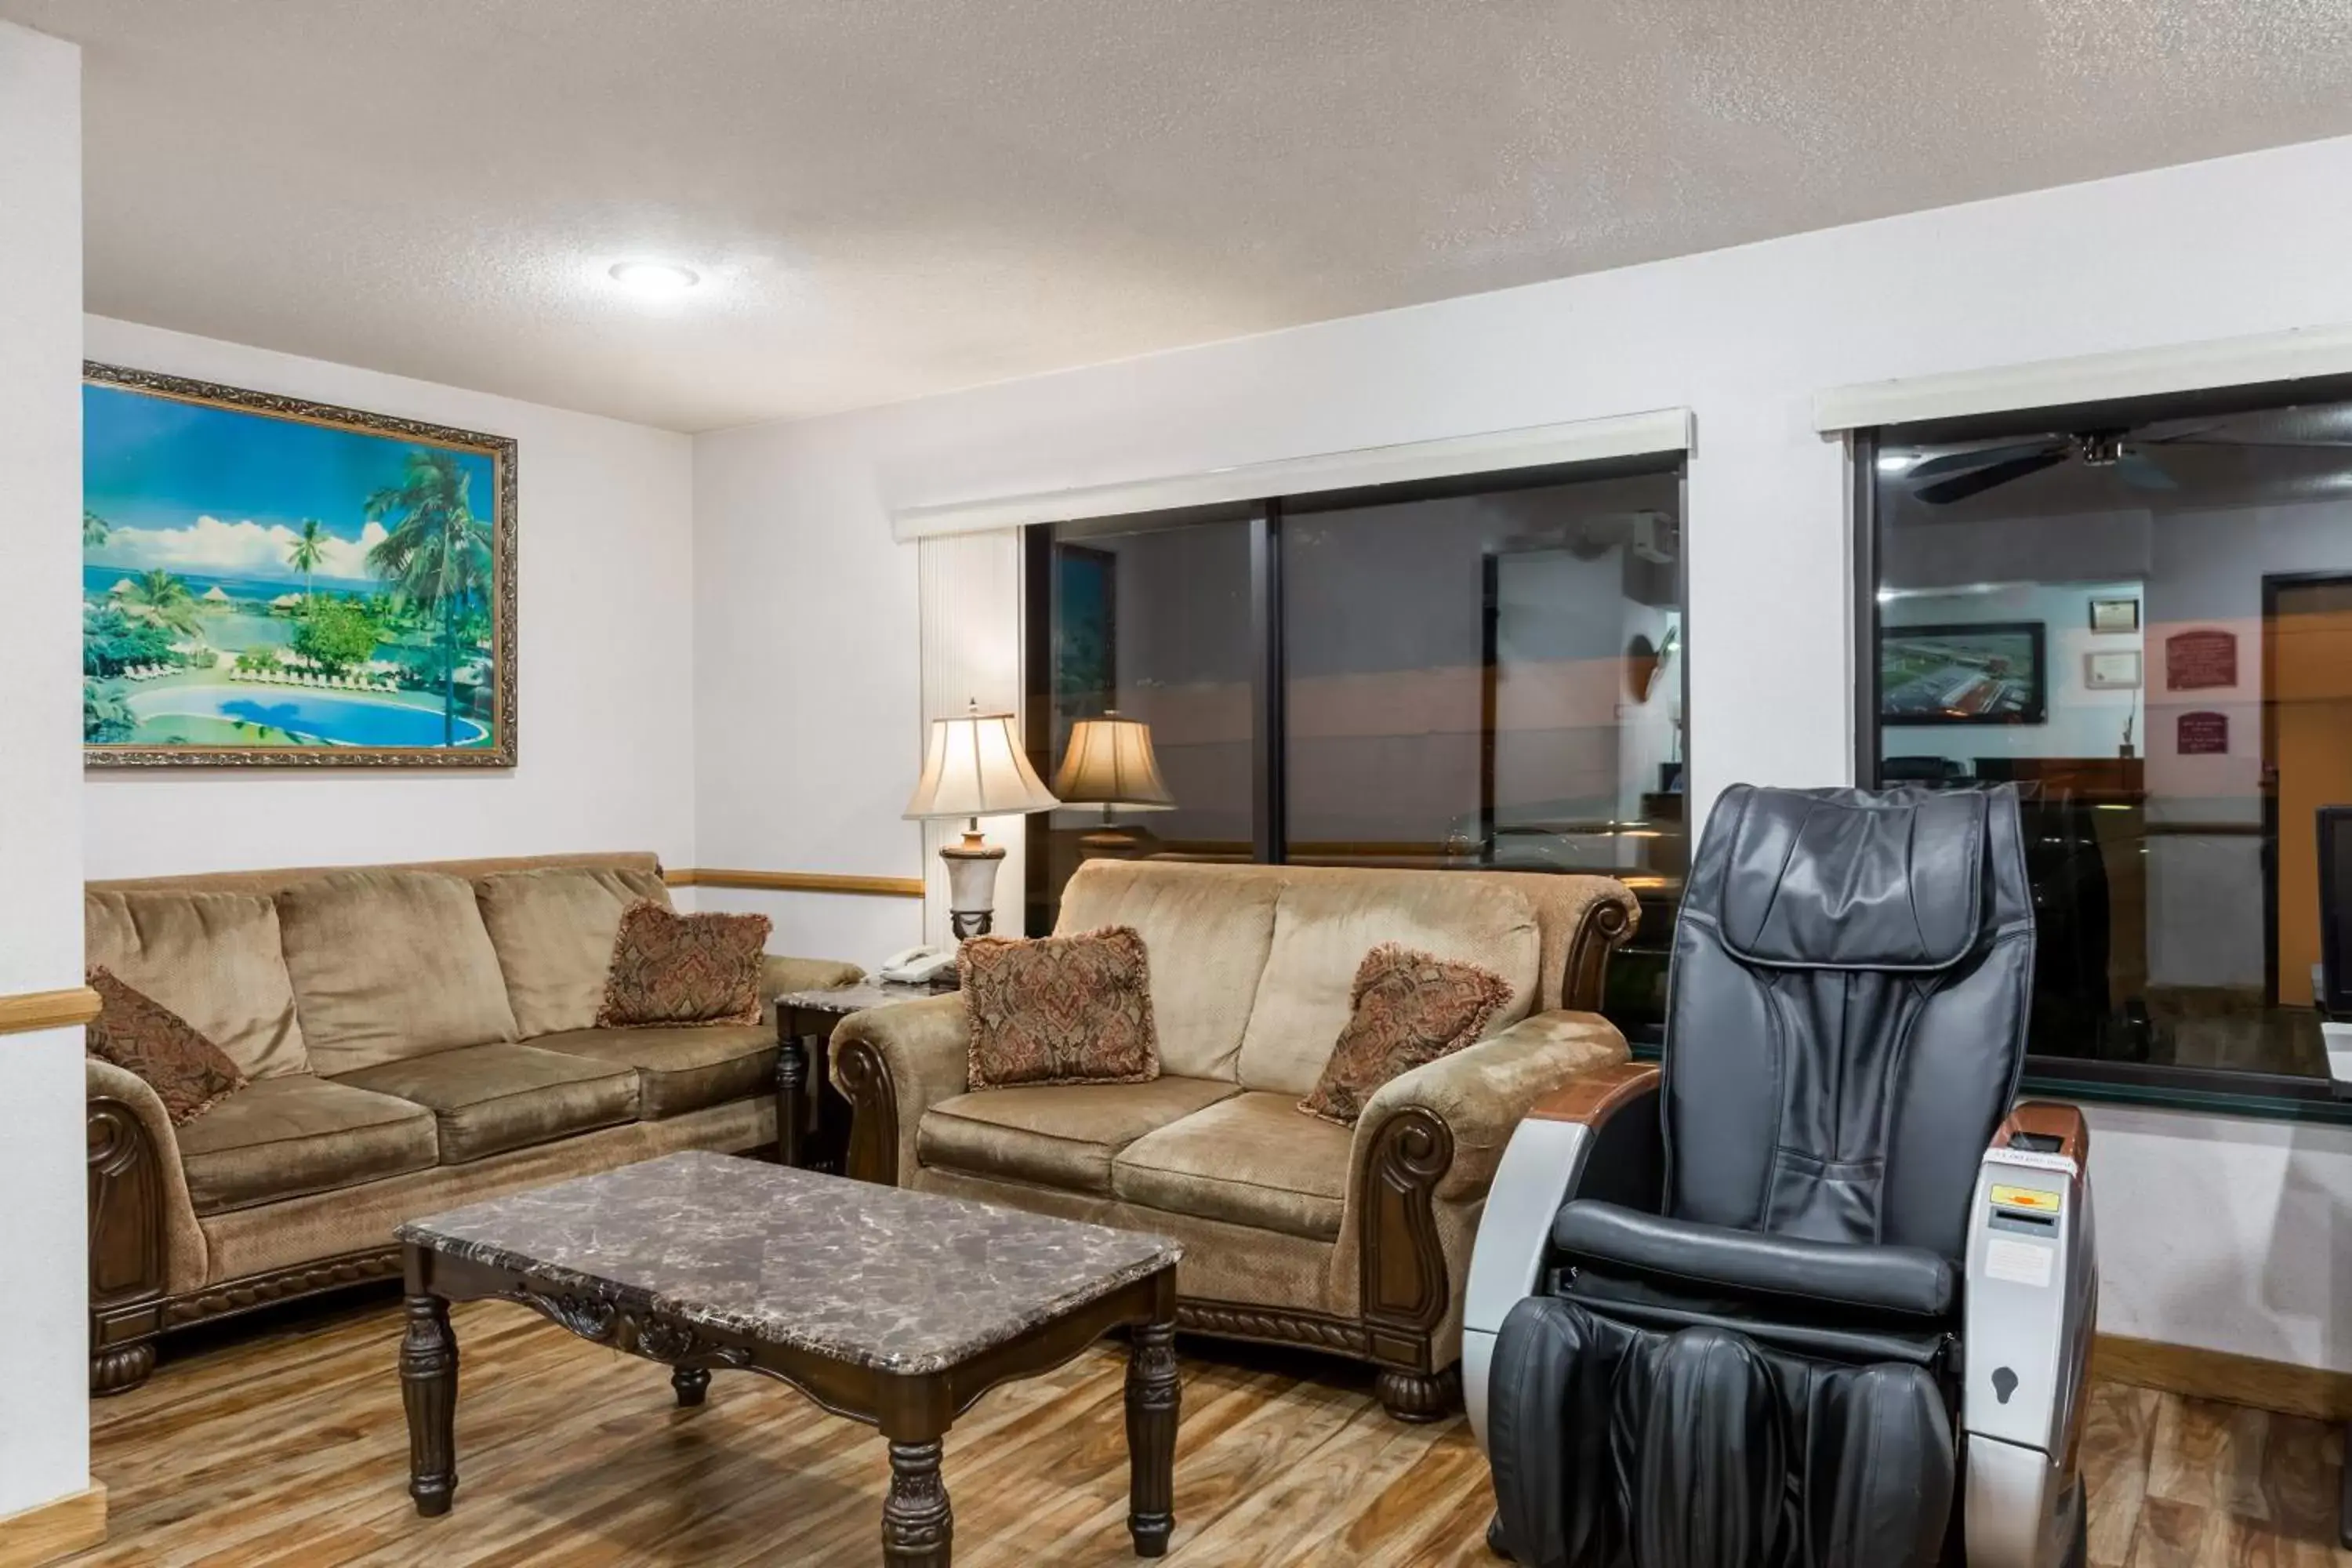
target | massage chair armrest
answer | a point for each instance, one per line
(2032, 1308)
(893, 1064)
(1597, 1137)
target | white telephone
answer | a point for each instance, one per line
(919, 966)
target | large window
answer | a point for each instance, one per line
(1482, 673)
(2141, 615)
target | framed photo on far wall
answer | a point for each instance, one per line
(267, 582)
(2115, 614)
(1991, 672)
(2115, 670)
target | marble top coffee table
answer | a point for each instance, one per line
(894, 1307)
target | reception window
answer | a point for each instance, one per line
(1481, 673)
(2141, 615)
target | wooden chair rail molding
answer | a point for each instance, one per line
(795, 881)
(29, 1010)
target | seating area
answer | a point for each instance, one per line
(1377, 786)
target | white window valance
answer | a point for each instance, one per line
(1660, 431)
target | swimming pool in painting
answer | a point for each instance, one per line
(337, 718)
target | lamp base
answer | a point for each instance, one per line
(971, 884)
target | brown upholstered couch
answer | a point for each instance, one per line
(1293, 1229)
(417, 1037)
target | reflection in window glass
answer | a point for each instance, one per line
(1150, 624)
(2149, 630)
(1494, 680)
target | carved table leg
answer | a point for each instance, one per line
(692, 1383)
(428, 1389)
(1153, 1393)
(918, 1527)
(792, 1092)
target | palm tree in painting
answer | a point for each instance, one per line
(436, 551)
(309, 548)
(166, 600)
(94, 529)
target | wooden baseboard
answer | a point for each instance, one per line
(2311, 1391)
(29, 1010)
(56, 1529)
(795, 882)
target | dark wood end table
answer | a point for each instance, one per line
(812, 1119)
(894, 1307)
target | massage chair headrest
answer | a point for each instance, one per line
(1890, 880)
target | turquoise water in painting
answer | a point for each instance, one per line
(350, 719)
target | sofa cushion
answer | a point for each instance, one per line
(669, 968)
(1206, 932)
(1410, 1009)
(553, 929)
(1058, 1010)
(1251, 1159)
(212, 958)
(1322, 930)
(283, 1137)
(188, 1073)
(1062, 1136)
(680, 1069)
(490, 1099)
(387, 964)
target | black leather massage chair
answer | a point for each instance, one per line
(1809, 1293)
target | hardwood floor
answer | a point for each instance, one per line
(288, 1447)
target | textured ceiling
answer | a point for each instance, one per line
(892, 197)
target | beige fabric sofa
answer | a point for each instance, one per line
(417, 1037)
(1293, 1229)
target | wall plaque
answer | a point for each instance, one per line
(2201, 734)
(2200, 659)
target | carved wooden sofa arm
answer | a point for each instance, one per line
(1424, 1154)
(893, 1064)
(144, 1242)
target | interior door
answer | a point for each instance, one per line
(2308, 735)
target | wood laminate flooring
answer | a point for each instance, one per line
(288, 1446)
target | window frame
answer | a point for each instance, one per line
(1269, 764)
(2288, 1097)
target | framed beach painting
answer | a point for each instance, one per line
(267, 582)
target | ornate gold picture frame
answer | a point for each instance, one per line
(268, 582)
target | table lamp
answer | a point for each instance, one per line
(974, 767)
(1110, 764)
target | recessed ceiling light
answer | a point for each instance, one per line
(653, 277)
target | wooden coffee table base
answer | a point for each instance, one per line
(913, 1410)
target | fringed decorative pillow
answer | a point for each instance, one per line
(1408, 1008)
(1060, 1009)
(669, 968)
(188, 1073)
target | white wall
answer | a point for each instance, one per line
(44, 1346)
(812, 607)
(606, 658)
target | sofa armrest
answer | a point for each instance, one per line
(144, 1242)
(1482, 1093)
(780, 975)
(1426, 1150)
(892, 1064)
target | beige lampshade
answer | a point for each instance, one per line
(973, 767)
(1109, 762)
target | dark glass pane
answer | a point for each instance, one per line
(1150, 623)
(2148, 627)
(1494, 680)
